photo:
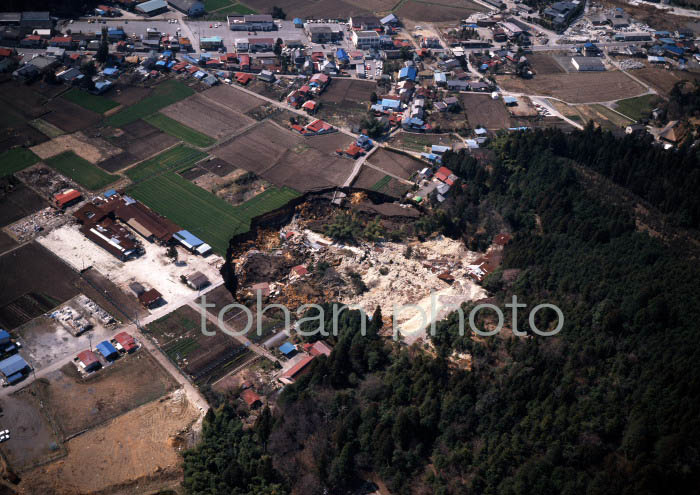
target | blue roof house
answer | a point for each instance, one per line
(288, 349)
(408, 73)
(107, 350)
(389, 104)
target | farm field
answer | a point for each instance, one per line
(544, 64)
(663, 80)
(175, 159)
(16, 159)
(638, 107)
(615, 118)
(139, 141)
(437, 11)
(310, 8)
(288, 159)
(207, 116)
(201, 357)
(482, 110)
(69, 116)
(81, 171)
(233, 98)
(345, 101)
(45, 128)
(210, 5)
(17, 200)
(163, 95)
(395, 163)
(98, 104)
(419, 141)
(375, 180)
(576, 87)
(180, 131)
(77, 404)
(34, 281)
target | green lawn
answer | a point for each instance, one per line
(180, 131)
(164, 94)
(81, 171)
(637, 108)
(176, 159)
(16, 159)
(98, 104)
(193, 208)
(210, 5)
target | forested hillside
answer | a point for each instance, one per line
(610, 405)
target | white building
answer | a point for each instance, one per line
(365, 39)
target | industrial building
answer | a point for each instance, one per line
(197, 280)
(152, 7)
(587, 64)
(191, 242)
(14, 369)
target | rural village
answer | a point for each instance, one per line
(155, 155)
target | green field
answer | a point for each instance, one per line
(164, 94)
(637, 108)
(16, 159)
(180, 131)
(98, 104)
(193, 208)
(176, 159)
(81, 171)
(46, 128)
(210, 5)
(228, 9)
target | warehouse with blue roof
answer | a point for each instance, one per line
(192, 242)
(108, 351)
(14, 368)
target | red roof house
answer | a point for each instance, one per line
(251, 399)
(89, 360)
(66, 198)
(126, 341)
(297, 370)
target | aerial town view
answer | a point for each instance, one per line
(349, 247)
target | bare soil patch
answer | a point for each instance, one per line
(70, 117)
(663, 80)
(23, 99)
(135, 453)
(337, 9)
(349, 90)
(207, 116)
(78, 403)
(17, 200)
(129, 95)
(375, 180)
(544, 64)
(395, 163)
(439, 11)
(140, 140)
(482, 110)
(579, 87)
(92, 149)
(233, 98)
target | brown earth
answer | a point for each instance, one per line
(482, 110)
(438, 11)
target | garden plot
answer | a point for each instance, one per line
(207, 116)
(70, 117)
(152, 269)
(140, 140)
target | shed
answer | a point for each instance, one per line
(88, 360)
(4, 337)
(197, 280)
(298, 369)
(188, 239)
(66, 198)
(298, 23)
(152, 7)
(439, 150)
(319, 348)
(288, 349)
(12, 365)
(150, 298)
(127, 342)
(107, 350)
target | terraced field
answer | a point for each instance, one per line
(163, 95)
